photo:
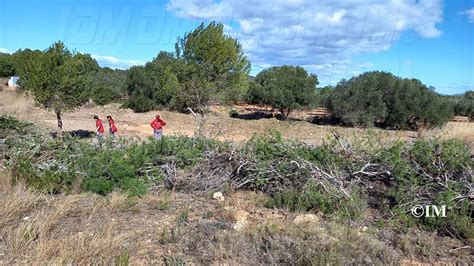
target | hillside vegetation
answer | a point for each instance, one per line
(346, 183)
(208, 67)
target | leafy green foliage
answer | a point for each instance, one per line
(416, 168)
(59, 165)
(6, 65)
(285, 88)
(58, 79)
(215, 60)
(208, 66)
(323, 96)
(386, 100)
(108, 85)
(22, 61)
(156, 84)
(291, 173)
(9, 125)
(139, 103)
(464, 105)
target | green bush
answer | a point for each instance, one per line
(6, 65)
(9, 124)
(315, 198)
(380, 98)
(421, 170)
(285, 88)
(139, 103)
(426, 171)
(56, 166)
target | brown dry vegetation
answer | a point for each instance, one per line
(174, 228)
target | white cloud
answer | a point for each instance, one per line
(470, 14)
(321, 35)
(113, 62)
(6, 51)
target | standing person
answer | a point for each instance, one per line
(99, 129)
(112, 128)
(157, 124)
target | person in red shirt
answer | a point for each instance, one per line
(99, 129)
(157, 124)
(112, 128)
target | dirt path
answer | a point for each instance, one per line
(218, 124)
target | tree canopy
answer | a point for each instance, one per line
(207, 66)
(108, 85)
(285, 88)
(58, 79)
(383, 99)
(6, 65)
(215, 61)
(463, 104)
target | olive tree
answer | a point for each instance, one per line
(383, 99)
(285, 88)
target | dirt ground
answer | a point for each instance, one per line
(167, 227)
(171, 228)
(218, 123)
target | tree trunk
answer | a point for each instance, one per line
(283, 116)
(60, 121)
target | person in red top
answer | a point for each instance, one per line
(157, 124)
(112, 128)
(99, 129)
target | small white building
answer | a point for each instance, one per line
(13, 81)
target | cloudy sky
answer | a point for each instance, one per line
(431, 40)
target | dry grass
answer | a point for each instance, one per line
(5, 179)
(13, 103)
(103, 246)
(462, 131)
(175, 228)
(18, 202)
(118, 201)
(160, 201)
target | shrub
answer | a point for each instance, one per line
(295, 176)
(315, 198)
(285, 88)
(431, 172)
(6, 65)
(9, 124)
(139, 103)
(380, 98)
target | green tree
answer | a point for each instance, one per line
(59, 80)
(108, 85)
(157, 81)
(464, 105)
(323, 96)
(383, 99)
(141, 85)
(6, 65)
(22, 61)
(216, 68)
(285, 88)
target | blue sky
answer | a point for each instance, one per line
(431, 40)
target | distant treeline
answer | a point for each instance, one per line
(209, 67)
